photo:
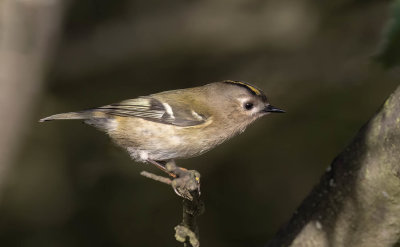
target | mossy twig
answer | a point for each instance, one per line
(186, 184)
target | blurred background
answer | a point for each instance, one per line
(65, 184)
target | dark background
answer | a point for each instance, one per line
(70, 186)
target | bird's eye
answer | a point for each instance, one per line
(248, 106)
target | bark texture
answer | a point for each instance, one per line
(357, 202)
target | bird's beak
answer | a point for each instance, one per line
(273, 109)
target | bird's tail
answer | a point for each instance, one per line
(69, 115)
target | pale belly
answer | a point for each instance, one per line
(151, 140)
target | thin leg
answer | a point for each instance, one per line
(161, 166)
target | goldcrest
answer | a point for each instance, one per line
(180, 123)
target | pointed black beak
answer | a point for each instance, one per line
(273, 109)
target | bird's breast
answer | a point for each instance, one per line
(151, 140)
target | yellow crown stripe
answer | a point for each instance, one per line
(253, 89)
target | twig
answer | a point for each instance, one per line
(186, 185)
(156, 177)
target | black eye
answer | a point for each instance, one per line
(248, 106)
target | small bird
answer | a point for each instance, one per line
(182, 123)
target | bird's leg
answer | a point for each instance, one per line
(162, 166)
(184, 181)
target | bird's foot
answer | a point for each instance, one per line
(186, 184)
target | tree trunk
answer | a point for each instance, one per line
(357, 202)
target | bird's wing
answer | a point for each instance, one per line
(154, 110)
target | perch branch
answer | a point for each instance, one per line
(187, 186)
(156, 177)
